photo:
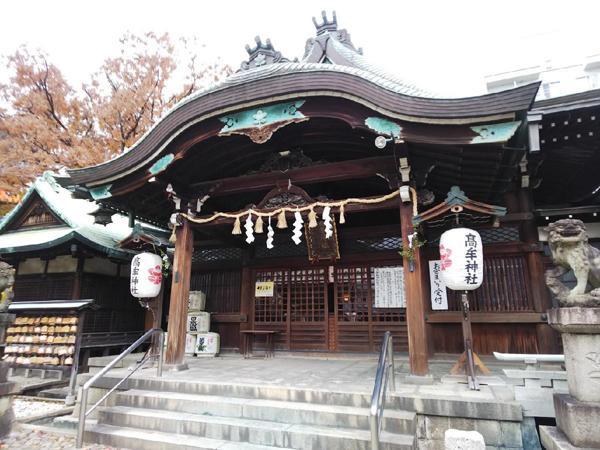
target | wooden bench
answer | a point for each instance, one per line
(248, 342)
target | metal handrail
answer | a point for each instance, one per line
(385, 369)
(84, 390)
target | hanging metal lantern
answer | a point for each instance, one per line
(461, 255)
(103, 215)
(146, 275)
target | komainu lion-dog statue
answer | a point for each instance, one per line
(568, 241)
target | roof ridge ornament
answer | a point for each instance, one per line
(317, 48)
(326, 25)
(262, 55)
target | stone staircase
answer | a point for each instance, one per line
(157, 414)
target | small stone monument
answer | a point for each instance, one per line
(7, 280)
(578, 321)
(463, 440)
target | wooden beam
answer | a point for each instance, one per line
(343, 170)
(180, 291)
(418, 352)
(486, 317)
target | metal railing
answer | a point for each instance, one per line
(88, 384)
(385, 369)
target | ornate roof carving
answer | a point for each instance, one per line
(326, 25)
(285, 160)
(326, 30)
(262, 55)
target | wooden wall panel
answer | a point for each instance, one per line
(222, 289)
(223, 299)
(399, 334)
(56, 286)
(281, 338)
(505, 286)
(308, 336)
(117, 310)
(487, 338)
(353, 337)
(229, 333)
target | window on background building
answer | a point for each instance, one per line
(593, 79)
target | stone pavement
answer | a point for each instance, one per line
(343, 372)
(28, 437)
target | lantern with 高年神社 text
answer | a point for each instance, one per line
(146, 275)
(461, 256)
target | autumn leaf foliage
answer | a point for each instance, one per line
(45, 123)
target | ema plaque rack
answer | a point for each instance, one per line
(46, 335)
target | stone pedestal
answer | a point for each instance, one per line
(6, 387)
(578, 413)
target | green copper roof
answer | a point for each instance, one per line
(78, 223)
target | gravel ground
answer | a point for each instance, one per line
(27, 408)
(26, 438)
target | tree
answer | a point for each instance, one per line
(44, 124)
(47, 124)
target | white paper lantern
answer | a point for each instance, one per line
(146, 275)
(461, 255)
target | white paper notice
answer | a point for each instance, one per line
(439, 299)
(389, 287)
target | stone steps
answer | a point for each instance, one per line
(267, 410)
(213, 415)
(252, 431)
(265, 392)
(123, 437)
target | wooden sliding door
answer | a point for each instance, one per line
(359, 323)
(327, 308)
(297, 310)
(308, 309)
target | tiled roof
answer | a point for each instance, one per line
(77, 218)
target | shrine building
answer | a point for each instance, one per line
(307, 197)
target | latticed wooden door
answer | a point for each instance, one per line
(297, 310)
(272, 313)
(359, 324)
(308, 309)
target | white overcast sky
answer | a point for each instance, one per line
(445, 46)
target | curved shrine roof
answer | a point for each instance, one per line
(331, 67)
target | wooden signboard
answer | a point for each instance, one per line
(264, 289)
(320, 247)
(389, 287)
(439, 297)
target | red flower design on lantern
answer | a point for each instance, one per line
(445, 257)
(155, 274)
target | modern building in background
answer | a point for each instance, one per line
(558, 78)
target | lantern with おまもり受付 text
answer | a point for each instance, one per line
(146, 275)
(461, 255)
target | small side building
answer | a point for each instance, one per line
(60, 253)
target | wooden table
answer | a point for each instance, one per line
(248, 342)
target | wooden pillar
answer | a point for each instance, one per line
(415, 300)
(76, 293)
(246, 310)
(153, 316)
(547, 338)
(180, 291)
